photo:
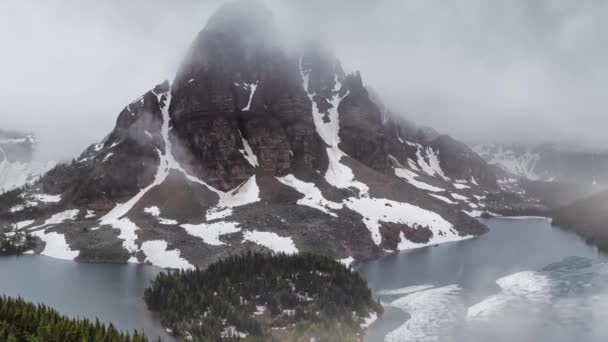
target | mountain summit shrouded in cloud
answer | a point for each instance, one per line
(465, 68)
(253, 146)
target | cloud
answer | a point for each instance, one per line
(520, 69)
(69, 67)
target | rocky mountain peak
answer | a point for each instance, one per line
(253, 148)
(239, 37)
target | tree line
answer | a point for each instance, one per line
(21, 321)
(14, 243)
(259, 296)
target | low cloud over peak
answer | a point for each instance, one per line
(516, 70)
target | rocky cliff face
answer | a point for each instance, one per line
(251, 148)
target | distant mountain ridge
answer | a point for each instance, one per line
(550, 163)
(17, 167)
(250, 148)
(16, 146)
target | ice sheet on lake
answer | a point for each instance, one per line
(433, 313)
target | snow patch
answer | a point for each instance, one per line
(460, 186)
(157, 254)
(127, 233)
(247, 152)
(459, 197)
(412, 165)
(410, 177)
(45, 198)
(272, 241)
(59, 218)
(107, 157)
(23, 224)
(347, 261)
(429, 165)
(367, 321)
(443, 198)
(218, 214)
(155, 211)
(445, 237)
(473, 213)
(252, 88)
(210, 232)
(55, 246)
(340, 175)
(246, 193)
(375, 210)
(327, 128)
(312, 195)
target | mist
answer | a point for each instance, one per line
(530, 71)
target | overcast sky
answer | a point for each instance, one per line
(530, 70)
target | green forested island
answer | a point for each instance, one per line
(21, 321)
(263, 297)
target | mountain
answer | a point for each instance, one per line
(254, 148)
(550, 163)
(17, 167)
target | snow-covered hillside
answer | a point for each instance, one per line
(16, 174)
(518, 160)
(17, 167)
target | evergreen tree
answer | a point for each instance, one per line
(21, 321)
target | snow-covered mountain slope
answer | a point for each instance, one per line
(16, 165)
(517, 160)
(250, 148)
(16, 174)
(549, 163)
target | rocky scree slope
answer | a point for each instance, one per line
(251, 148)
